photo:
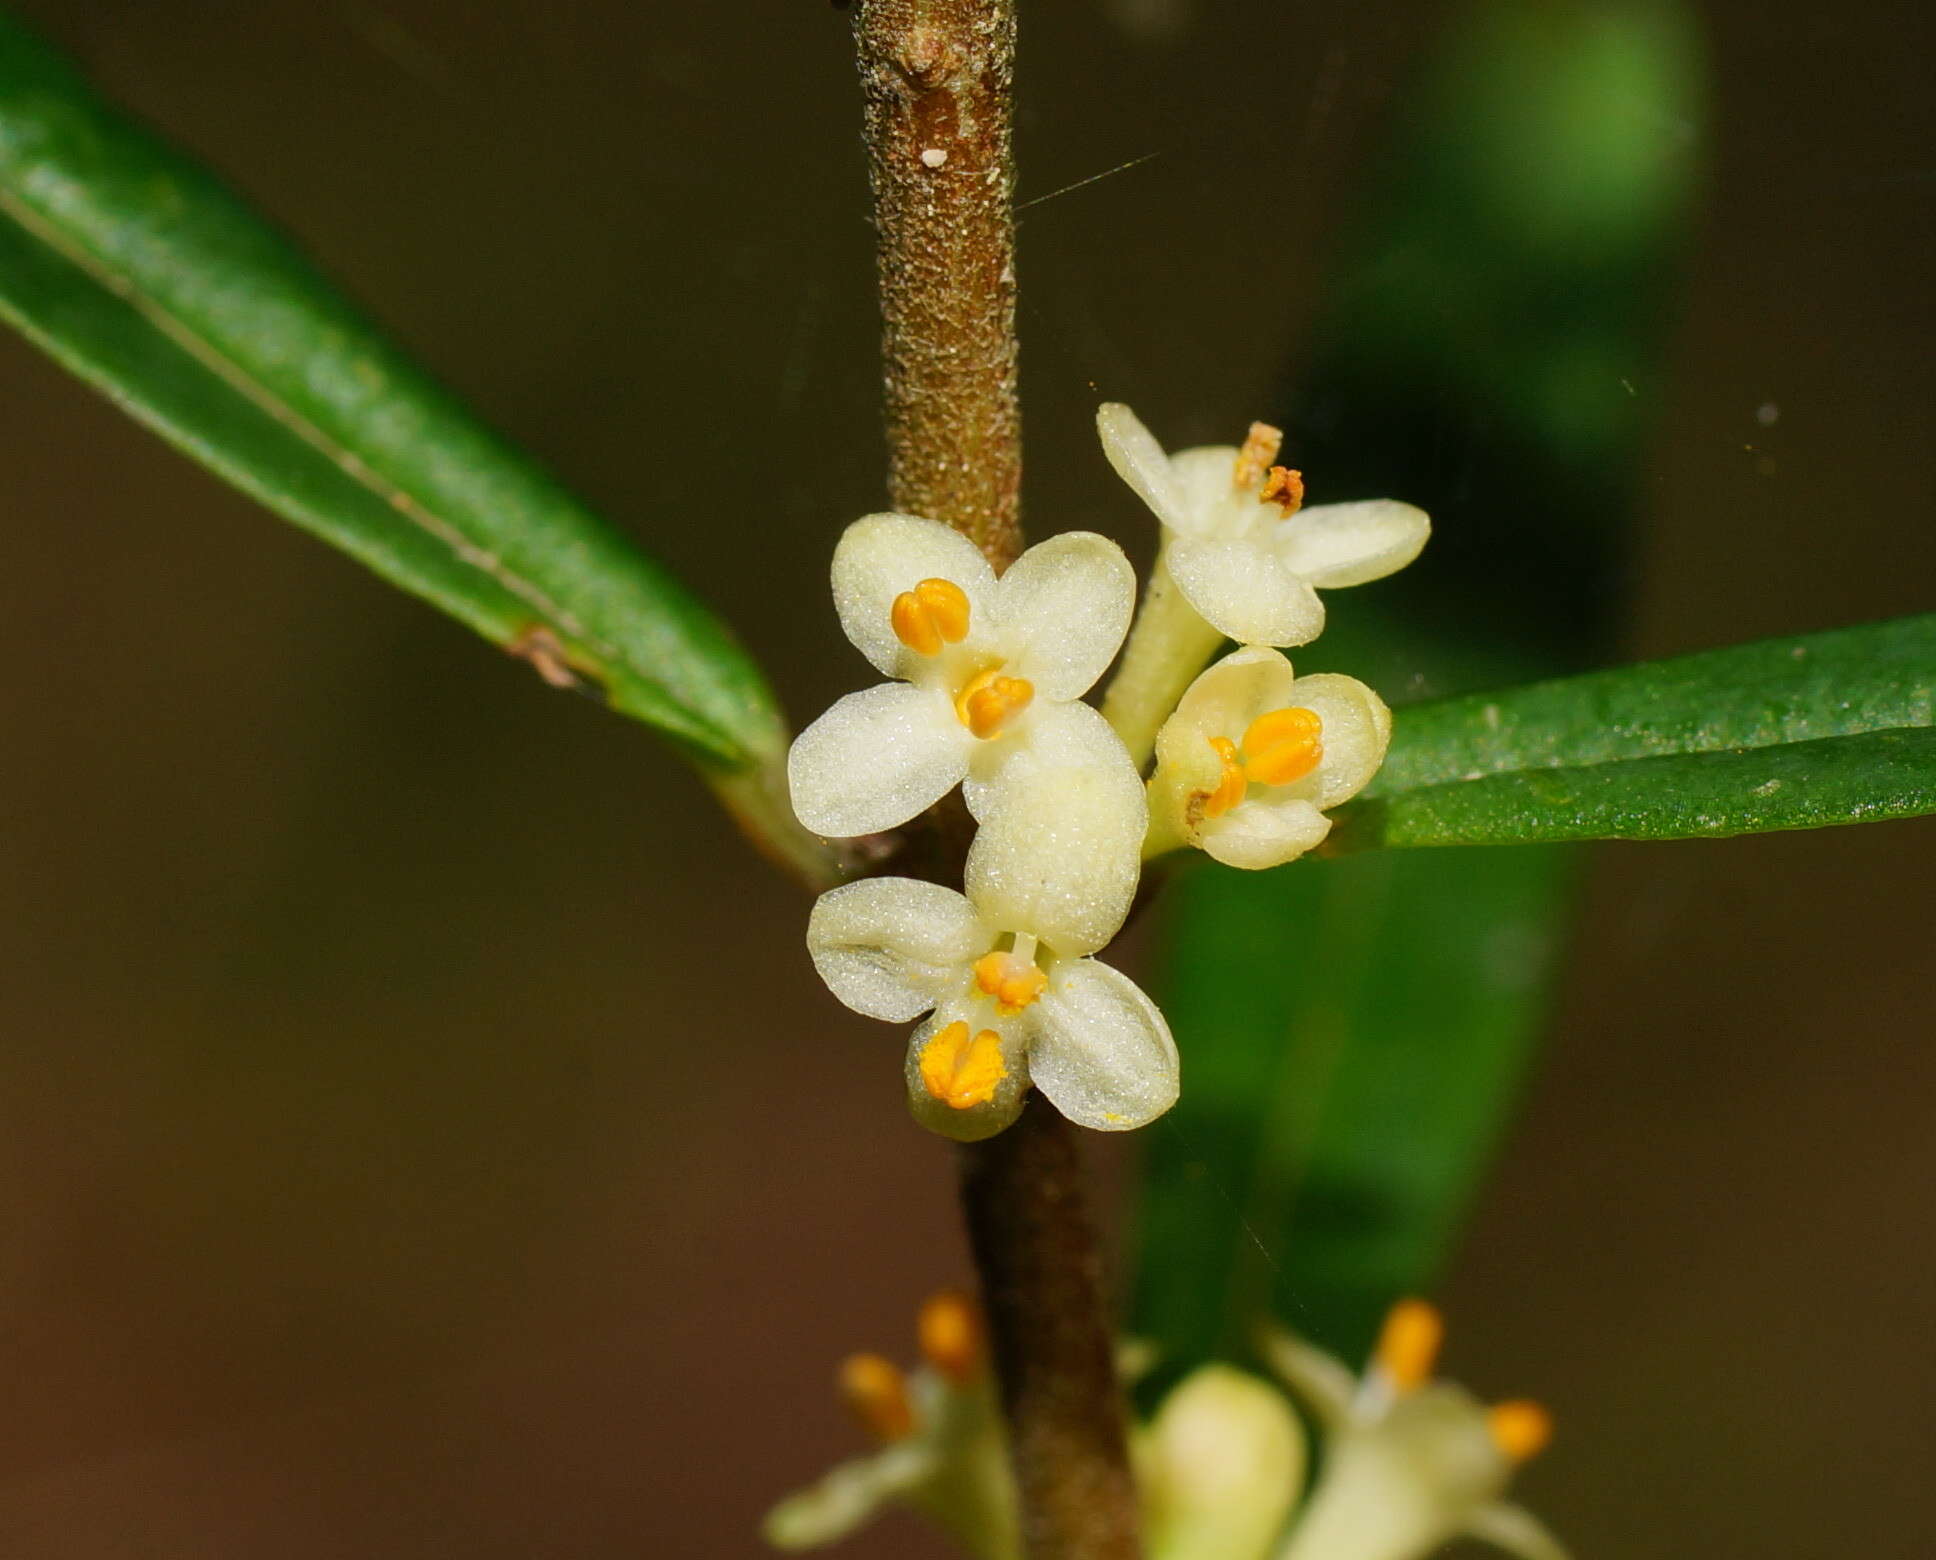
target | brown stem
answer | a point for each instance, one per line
(938, 77)
(1041, 1276)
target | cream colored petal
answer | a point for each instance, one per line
(1220, 1466)
(1059, 851)
(975, 1122)
(1049, 736)
(1228, 696)
(1099, 1048)
(876, 759)
(880, 556)
(1516, 1531)
(1203, 478)
(1263, 831)
(1347, 544)
(1356, 733)
(1061, 612)
(893, 947)
(1244, 592)
(1322, 1382)
(847, 1496)
(1139, 460)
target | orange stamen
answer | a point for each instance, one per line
(1519, 1428)
(1230, 789)
(875, 1392)
(1261, 445)
(1409, 1344)
(985, 705)
(1013, 983)
(949, 1328)
(934, 613)
(1284, 488)
(1283, 746)
(961, 1073)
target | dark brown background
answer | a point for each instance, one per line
(420, 1131)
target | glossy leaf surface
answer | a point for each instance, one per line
(140, 272)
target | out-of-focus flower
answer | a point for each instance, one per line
(941, 1452)
(1255, 755)
(1003, 970)
(987, 668)
(1219, 1467)
(1238, 542)
(1409, 1463)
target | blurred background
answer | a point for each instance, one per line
(421, 1133)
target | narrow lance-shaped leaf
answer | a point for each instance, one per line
(1796, 733)
(144, 275)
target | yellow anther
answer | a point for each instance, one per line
(1284, 488)
(1230, 789)
(949, 1328)
(1261, 445)
(989, 699)
(1283, 746)
(961, 1073)
(1519, 1428)
(1013, 983)
(934, 613)
(1409, 1344)
(875, 1392)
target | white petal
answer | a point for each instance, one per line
(1049, 736)
(1204, 479)
(975, 1122)
(1100, 1050)
(1347, 544)
(1062, 610)
(847, 1496)
(1516, 1531)
(882, 555)
(1244, 592)
(1226, 698)
(893, 947)
(1139, 460)
(876, 759)
(1059, 851)
(1263, 831)
(1323, 1383)
(1356, 732)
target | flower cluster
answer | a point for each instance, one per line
(987, 677)
(1222, 1467)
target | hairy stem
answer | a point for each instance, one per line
(938, 77)
(1041, 1275)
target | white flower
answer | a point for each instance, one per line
(1243, 552)
(988, 667)
(1254, 755)
(1219, 1467)
(1409, 1463)
(1002, 971)
(942, 1449)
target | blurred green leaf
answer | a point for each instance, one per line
(142, 274)
(1354, 1031)
(1784, 734)
(1333, 1127)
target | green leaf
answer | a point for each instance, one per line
(1334, 1125)
(1354, 1032)
(1785, 734)
(141, 273)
